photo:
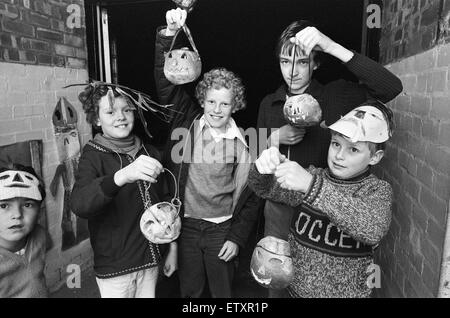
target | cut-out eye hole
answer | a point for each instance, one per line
(170, 55)
(29, 178)
(6, 176)
(183, 56)
(58, 114)
(70, 111)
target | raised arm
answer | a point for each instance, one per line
(376, 79)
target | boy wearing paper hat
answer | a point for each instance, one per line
(341, 213)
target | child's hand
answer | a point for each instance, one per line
(229, 251)
(143, 168)
(269, 160)
(171, 262)
(292, 176)
(175, 19)
(287, 135)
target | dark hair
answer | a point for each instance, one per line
(222, 78)
(284, 44)
(30, 170)
(90, 99)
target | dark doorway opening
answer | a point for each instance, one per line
(239, 35)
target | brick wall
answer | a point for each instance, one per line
(413, 26)
(42, 32)
(39, 55)
(418, 166)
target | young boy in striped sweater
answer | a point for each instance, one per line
(341, 212)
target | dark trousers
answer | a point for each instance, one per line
(199, 245)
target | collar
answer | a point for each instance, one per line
(231, 131)
(354, 179)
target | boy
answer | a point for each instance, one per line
(22, 240)
(309, 146)
(341, 213)
(116, 180)
(212, 166)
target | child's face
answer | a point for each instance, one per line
(299, 79)
(17, 219)
(347, 159)
(218, 107)
(118, 121)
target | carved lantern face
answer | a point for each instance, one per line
(160, 223)
(302, 111)
(271, 264)
(182, 66)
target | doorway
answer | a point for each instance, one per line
(239, 35)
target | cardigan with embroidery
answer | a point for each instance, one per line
(114, 212)
(335, 227)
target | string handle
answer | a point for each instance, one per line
(176, 202)
(188, 35)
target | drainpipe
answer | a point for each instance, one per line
(444, 284)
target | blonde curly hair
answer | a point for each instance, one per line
(222, 78)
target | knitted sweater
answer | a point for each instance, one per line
(22, 276)
(336, 225)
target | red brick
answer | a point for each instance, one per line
(49, 35)
(420, 105)
(31, 135)
(11, 55)
(440, 108)
(435, 207)
(431, 279)
(425, 61)
(40, 20)
(72, 40)
(436, 233)
(409, 83)
(425, 174)
(443, 56)
(430, 129)
(441, 186)
(432, 255)
(76, 63)
(444, 135)
(421, 86)
(403, 103)
(438, 81)
(41, 123)
(17, 27)
(419, 217)
(65, 50)
(416, 146)
(437, 157)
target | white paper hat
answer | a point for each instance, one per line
(364, 123)
(15, 183)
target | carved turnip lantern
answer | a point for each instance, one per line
(271, 264)
(302, 111)
(160, 223)
(182, 66)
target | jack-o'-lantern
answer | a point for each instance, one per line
(302, 111)
(182, 66)
(160, 223)
(271, 264)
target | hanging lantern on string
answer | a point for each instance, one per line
(182, 66)
(302, 111)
